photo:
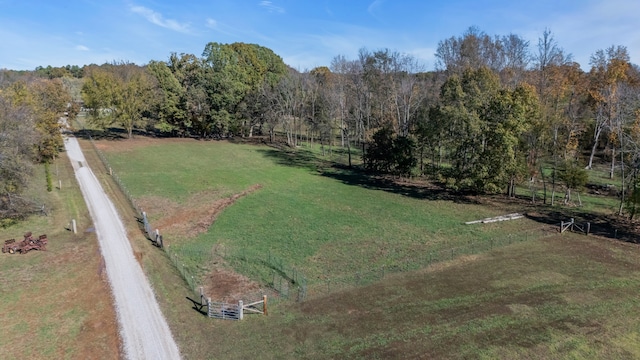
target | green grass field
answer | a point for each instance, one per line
(327, 222)
(566, 296)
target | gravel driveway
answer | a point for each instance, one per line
(143, 329)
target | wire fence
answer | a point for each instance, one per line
(291, 283)
(425, 259)
(193, 261)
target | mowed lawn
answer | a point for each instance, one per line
(568, 296)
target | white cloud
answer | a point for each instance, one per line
(157, 19)
(212, 24)
(424, 55)
(271, 7)
(373, 7)
(82, 48)
(586, 29)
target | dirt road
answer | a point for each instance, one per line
(144, 331)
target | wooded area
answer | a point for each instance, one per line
(496, 112)
(30, 107)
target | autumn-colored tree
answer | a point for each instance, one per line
(118, 94)
(609, 70)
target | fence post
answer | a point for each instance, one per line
(561, 226)
(209, 307)
(572, 224)
(240, 310)
(73, 226)
(264, 304)
(588, 228)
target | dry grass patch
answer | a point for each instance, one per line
(194, 217)
(56, 304)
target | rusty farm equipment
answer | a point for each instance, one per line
(24, 246)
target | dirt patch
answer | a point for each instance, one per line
(192, 218)
(226, 285)
(123, 144)
(459, 261)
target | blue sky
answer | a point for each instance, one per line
(305, 33)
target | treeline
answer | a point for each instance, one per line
(210, 96)
(30, 109)
(496, 112)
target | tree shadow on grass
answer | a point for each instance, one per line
(295, 158)
(609, 226)
(356, 176)
(108, 134)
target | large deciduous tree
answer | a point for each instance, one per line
(609, 70)
(232, 72)
(118, 94)
(484, 124)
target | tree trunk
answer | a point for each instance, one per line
(579, 200)
(533, 189)
(422, 160)
(544, 186)
(634, 194)
(553, 187)
(346, 135)
(622, 179)
(567, 196)
(595, 145)
(613, 161)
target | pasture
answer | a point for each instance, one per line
(544, 298)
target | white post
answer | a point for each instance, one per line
(73, 226)
(209, 307)
(240, 310)
(60, 184)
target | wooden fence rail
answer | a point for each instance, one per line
(575, 227)
(227, 311)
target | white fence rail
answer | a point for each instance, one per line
(227, 311)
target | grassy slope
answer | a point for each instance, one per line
(567, 297)
(564, 297)
(56, 304)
